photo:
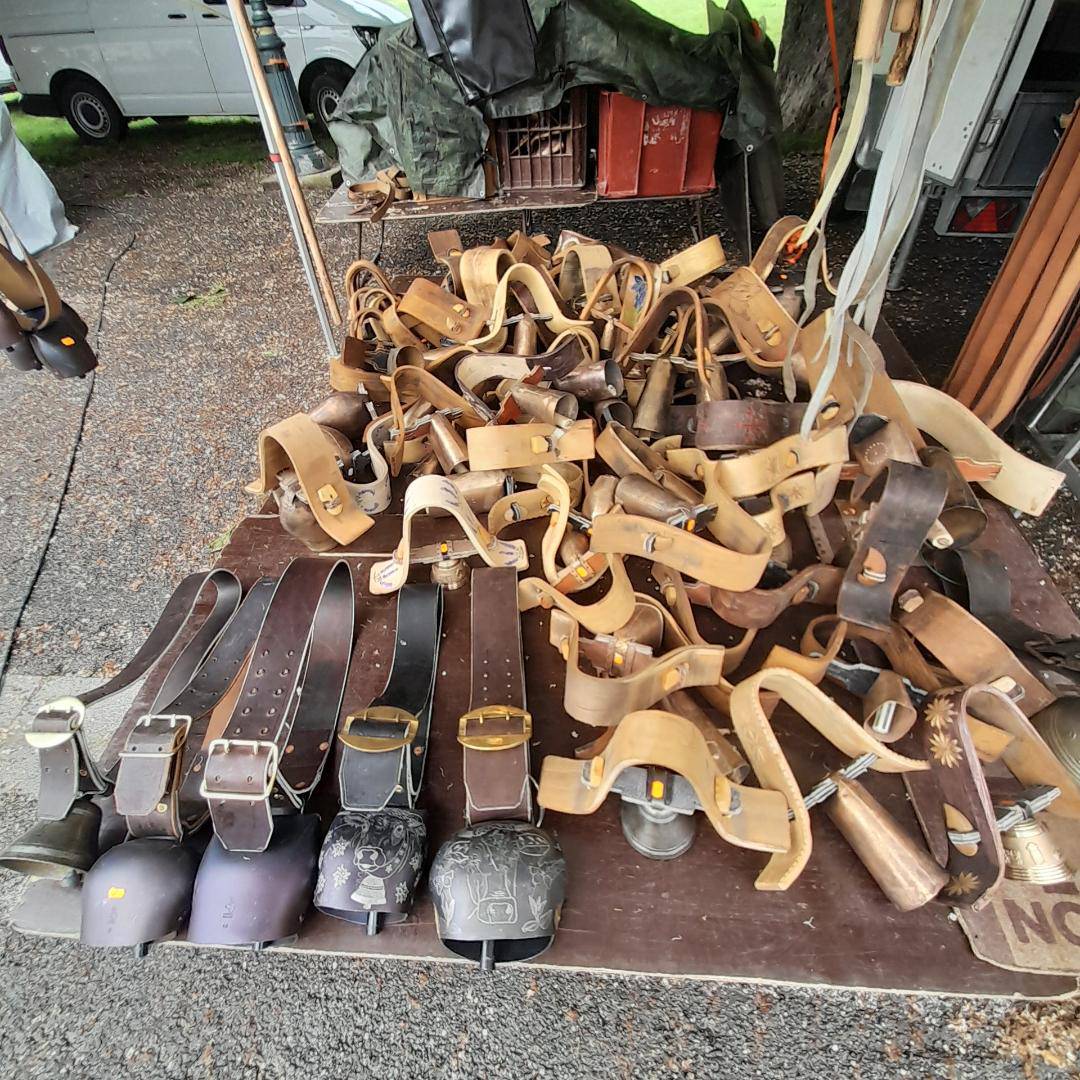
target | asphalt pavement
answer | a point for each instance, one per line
(207, 334)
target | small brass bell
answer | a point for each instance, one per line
(1031, 855)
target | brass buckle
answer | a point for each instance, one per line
(474, 739)
(379, 744)
(59, 721)
(255, 747)
(171, 726)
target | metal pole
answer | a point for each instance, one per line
(303, 230)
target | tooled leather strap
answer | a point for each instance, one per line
(971, 651)
(747, 817)
(745, 423)
(899, 519)
(298, 443)
(514, 446)
(278, 737)
(763, 751)
(163, 751)
(427, 493)
(496, 730)
(603, 702)
(67, 770)
(385, 746)
(1022, 483)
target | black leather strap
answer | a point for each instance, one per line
(278, 736)
(67, 769)
(385, 746)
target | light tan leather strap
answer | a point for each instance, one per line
(763, 751)
(427, 493)
(513, 446)
(604, 616)
(298, 443)
(747, 817)
(603, 702)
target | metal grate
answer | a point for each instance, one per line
(545, 149)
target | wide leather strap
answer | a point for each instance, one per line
(747, 817)
(428, 493)
(437, 310)
(690, 265)
(604, 616)
(1022, 483)
(972, 652)
(513, 446)
(745, 423)
(603, 702)
(762, 328)
(910, 499)
(496, 731)
(279, 734)
(757, 608)
(543, 301)
(385, 746)
(698, 558)
(300, 444)
(67, 770)
(763, 751)
(158, 779)
(758, 471)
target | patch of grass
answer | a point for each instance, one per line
(203, 140)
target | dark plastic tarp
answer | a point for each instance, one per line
(402, 109)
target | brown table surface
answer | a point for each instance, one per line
(698, 915)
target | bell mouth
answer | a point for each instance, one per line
(508, 951)
(38, 867)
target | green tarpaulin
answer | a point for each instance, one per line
(400, 108)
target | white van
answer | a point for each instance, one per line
(100, 63)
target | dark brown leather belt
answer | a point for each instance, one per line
(496, 730)
(157, 784)
(898, 521)
(67, 769)
(278, 736)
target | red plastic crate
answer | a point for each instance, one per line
(653, 149)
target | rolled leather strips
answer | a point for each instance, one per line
(157, 783)
(276, 741)
(499, 883)
(910, 500)
(374, 852)
(68, 771)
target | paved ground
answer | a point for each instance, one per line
(207, 335)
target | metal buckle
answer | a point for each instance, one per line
(68, 711)
(176, 726)
(228, 746)
(379, 744)
(481, 740)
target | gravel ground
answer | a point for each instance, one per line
(207, 335)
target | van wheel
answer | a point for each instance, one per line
(324, 92)
(91, 111)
